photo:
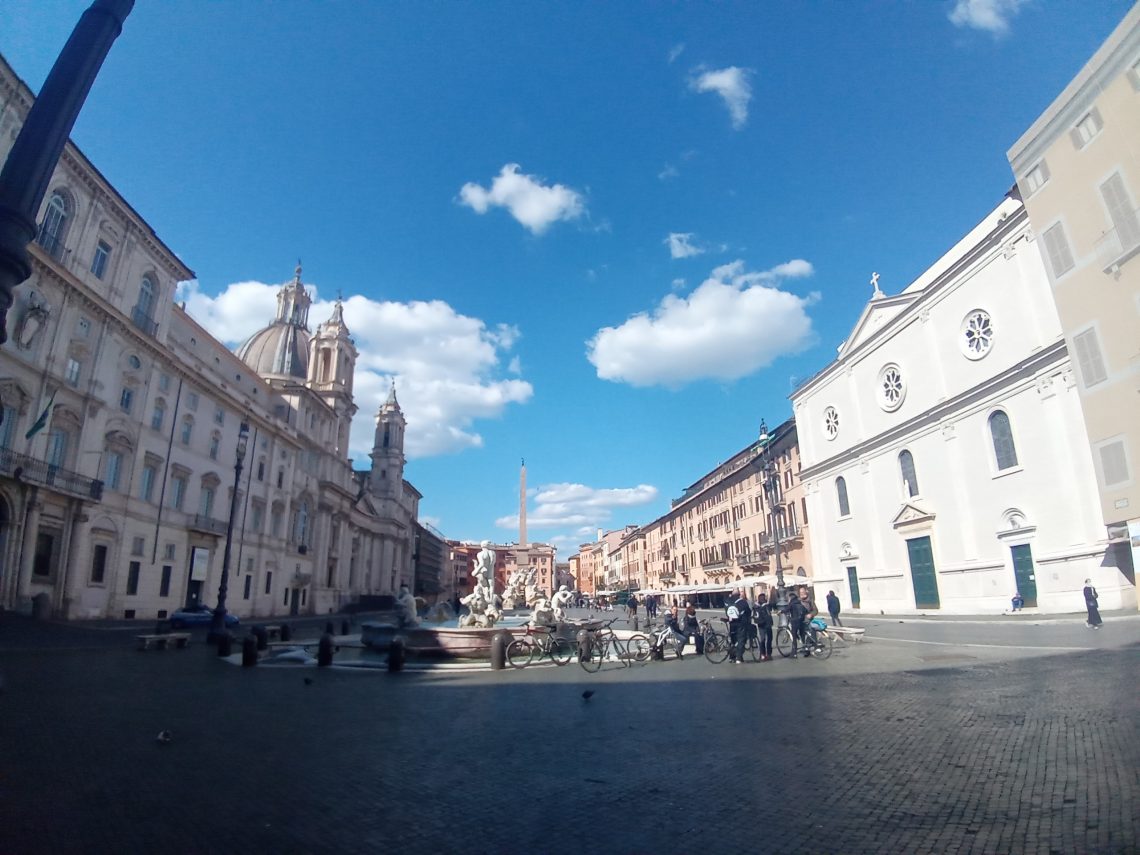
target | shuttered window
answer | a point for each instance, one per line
(1121, 211)
(1089, 359)
(1057, 248)
(1114, 463)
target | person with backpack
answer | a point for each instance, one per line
(798, 616)
(833, 608)
(762, 615)
(739, 620)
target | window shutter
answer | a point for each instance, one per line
(1113, 463)
(1089, 358)
(1060, 257)
(1121, 212)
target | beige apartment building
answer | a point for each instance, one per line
(1078, 171)
(723, 530)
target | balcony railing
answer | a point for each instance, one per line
(208, 524)
(1121, 243)
(791, 532)
(33, 471)
(752, 559)
(141, 318)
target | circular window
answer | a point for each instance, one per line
(134, 361)
(831, 422)
(892, 389)
(977, 334)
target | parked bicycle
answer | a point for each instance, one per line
(818, 642)
(719, 646)
(538, 643)
(602, 643)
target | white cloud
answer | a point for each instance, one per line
(733, 324)
(675, 52)
(681, 245)
(670, 171)
(529, 201)
(515, 366)
(562, 505)
(993, 16)
(732, 84)
(447, 366)
(677, 284)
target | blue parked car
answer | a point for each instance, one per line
(199, 615)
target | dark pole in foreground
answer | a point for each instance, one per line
(771, 486)
(218, 624)
(36, 151)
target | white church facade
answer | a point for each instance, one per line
(944, 454)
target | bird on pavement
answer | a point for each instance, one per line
(164, 737)
(308, 681)
(586, 695)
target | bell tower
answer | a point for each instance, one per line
(332, 363)
(388, 448)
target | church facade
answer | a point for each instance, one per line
(123, 418)
(945, 460)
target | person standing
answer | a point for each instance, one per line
(739, 619)
(763, 617)
(833, 608)
(1091, 603)
(692, 628)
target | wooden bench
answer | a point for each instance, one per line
(163, 641)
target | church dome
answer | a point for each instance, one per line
(282, 348)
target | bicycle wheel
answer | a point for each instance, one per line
(561, 651)
(596, 654)
(752, 648)
(638, 648)
(716, 647)
(784, 641)
(823, 645)
(520, 652)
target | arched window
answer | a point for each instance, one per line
(906, 467)
(1004, 450)
(54, 225)
(841, 494)
(146, 297)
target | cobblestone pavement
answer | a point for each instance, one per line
(936, 750)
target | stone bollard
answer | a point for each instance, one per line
(583, 645)
(261, 636)
(635, 623)
(345, 627)
(325, 651)
(329, 628)
(248, 652)
(397, 653)
(225, 644)
(498, 651)
(286, 632)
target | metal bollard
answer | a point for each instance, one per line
(261, 637)
(397, 653)
(225, 644)
(499, 651)
(325, 650)
(583, 638)
(329, 629)
(635, 623)
(248, 652)
(286, 632)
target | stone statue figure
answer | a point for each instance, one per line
(561, 601)
(406, 608)
(514, 597)
(480, 611)
(484, 571)
(544, 614)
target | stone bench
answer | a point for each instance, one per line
(163, 641)
(272, 631)
(848, 633)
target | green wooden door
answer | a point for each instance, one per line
(853, 583)
(922, 573)
(1025, 574)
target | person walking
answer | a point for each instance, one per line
(1091, 604)
(763, 617)
(833, 608)
(797, 612)
(739, 619)
(632, 607)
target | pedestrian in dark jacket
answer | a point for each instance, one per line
(1091, 603)
(833, 608)
(762, 615)
(797, 612)
(739, 620)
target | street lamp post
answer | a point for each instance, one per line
(34, 155)
(771, 488)
(218, 624)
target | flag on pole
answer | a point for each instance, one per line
(42, 421)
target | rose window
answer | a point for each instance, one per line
(831, 422)
(892, 388)
(977, 334)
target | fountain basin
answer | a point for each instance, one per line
(468, 642)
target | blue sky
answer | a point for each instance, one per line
(606, 237)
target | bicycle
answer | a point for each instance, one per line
(601, 642)
(719, 645)
(537, 643)
(818, 643)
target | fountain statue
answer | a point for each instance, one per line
(520, 583)
(560, 602)
(406, 615)
(544, 613)
(481, 607)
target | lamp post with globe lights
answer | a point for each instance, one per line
(218, 624)
(772, 492)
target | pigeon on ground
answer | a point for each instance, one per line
(586, 695)
(164, 737)
(308, 681)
